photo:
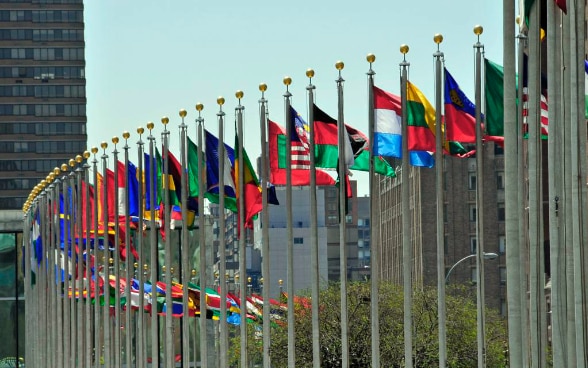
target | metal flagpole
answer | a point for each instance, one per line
(557, 260)
(374, 223)
(479, 203)
(536, 269)
(222, 241)
(576, 21)
(202, 240)
(66, 262)
(289, 221)
(405, 205)
(97, 346)
(185, 266)
(128, 325)
(169, 324)
(521, 210)
(342, 171)
(58, 256)
(511, 147)
(140, 344)
(89, 321)
(154, 245)
(242, 251)
(265, 272)
(52, 283)
(106, 260)
(314, 255)
(116, 257)
(439, 164)
(73, 258)
(81, 321)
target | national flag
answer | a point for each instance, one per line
(252, 191)
(494, 93)
(133, 189)
(277, 156)
(388, 130)
(151, 177)
(326, 140)
(544, 118)
(212, 172)
(460, 113)
(420, 117)
(326, 154)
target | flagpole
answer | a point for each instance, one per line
(88, 274)
(576, 20)
(557, 260)
(374, 223)
(72, 267)
(314, 253)
(58, 256)
(185, 266)
(106, 259)
(342, 171)
(222, 241)
(153, 250)
(141, 337)
(54, 322)
(169, 326)
(511, 147)
(265, 251)
(128, 326)
(66, 248)
(202, 241)
(479, 203)
(80, 320)
(289, 227)
(522, 212)
(242, 231)
(438, 55)
(97, 348)
(406, 231)
(116, 258)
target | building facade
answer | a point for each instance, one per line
(460, 211)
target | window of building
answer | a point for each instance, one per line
(472, 181)
(474, 275)
(501, 212)
(502, 244)
(298, 240)
(472, 212)
(500, 180)
(502, 271)
(473, 244)
(503, 310)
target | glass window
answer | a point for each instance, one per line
(502, 244)
(474, 274)
(500, 180)
(298, 240)
(472, 212)
(502, 271)
(473, 244)
(501, 212)
(472, 181)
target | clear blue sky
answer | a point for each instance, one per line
(147, 59)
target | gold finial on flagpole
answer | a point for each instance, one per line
(478, 30)
(183, 113)
(63, 168)
(518, 19)
(56, 171)
(140, 130)
(79, 159)
(199, 106)
(370, 58)
(94, 150)
(262, 87)
(115, 140)
(287, 80)
(150, 125)
(126, 135)
(339, 65)
(310, 73)
(404, 50)
(239, 95)
(71, 162)
(220, 100)
(86, 154)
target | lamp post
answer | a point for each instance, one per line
(486, 256)
(261, 286)
(281, 283)
(249, 285)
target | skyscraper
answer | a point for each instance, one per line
(42, 92)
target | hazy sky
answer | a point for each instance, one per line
(147, 59)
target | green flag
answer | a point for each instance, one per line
(494, 91)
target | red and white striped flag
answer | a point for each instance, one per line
(543, 111)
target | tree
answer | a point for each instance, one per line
(461, 330)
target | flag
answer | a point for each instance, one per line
(542, 104)
(326, 139)
(586, 88)
(388, 132)
(460, 113)
(252, 191)
(212, 173)
(151, 176)
(277, 157)
(420, 117)
(133, 189)
(494, 93)
(326, 154)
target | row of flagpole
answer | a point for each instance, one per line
(67, 315)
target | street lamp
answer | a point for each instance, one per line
(249, 285)
(280, 282)
(485, 255)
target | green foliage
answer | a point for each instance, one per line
(461, 330)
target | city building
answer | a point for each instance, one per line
(459, 201)
(42, 125)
